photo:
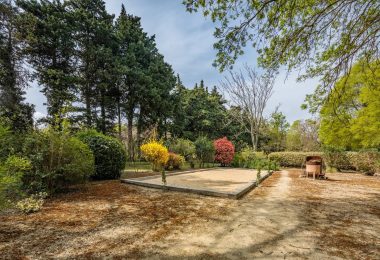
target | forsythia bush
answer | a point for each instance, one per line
(155, 153)
(175, 162)
(224, 151)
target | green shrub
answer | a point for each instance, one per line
(291, 159)
(237, 161)
(204, 150)
(184, 147)
(366, 162)
(11, 174)
(58, 160)
(175, 162)
(109, 153)
(250, 159)
(248, 155)
(5, 134)
(10, 143)
(339, 160)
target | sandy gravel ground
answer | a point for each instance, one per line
(218, 179)
(286, 218)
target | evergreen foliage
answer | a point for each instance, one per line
(109, 154)
(13, 76)
(58, 161)
(204, 149)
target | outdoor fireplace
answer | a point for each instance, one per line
(313, 166)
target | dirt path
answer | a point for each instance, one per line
(268, 227)
(286, 218)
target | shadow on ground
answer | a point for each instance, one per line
(287, 217)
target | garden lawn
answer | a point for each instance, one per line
(287, 217)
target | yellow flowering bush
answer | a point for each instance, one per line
(155, 153)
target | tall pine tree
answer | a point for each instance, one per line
(12, 74)
(51, 52)
(94, 41)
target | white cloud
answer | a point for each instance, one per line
(38, 115)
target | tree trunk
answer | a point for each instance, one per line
(88, 106)
(139, 130)
(102, 114)
(119, 118)
(253, 138)
(130, 134)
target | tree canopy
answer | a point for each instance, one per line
(13, 76)
(323, 38)
(350, 118)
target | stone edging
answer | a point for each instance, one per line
(232, 195)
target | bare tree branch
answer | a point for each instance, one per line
(250, 92)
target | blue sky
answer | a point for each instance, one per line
(186, 42)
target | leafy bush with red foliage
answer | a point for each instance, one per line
(224, 151)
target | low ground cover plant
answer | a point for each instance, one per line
(32, 204)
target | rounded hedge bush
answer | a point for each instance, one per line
(224, 151)
(109, 153)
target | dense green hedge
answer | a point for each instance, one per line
(291, 159)
(109, 153)
(367, 162)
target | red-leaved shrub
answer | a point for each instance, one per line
(224, 151)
